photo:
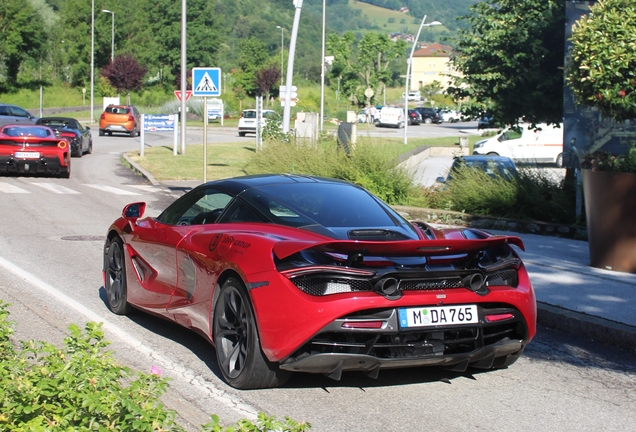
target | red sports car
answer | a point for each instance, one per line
(287, 273)
(31, 149)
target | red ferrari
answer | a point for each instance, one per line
(285, 273)
(31, 149)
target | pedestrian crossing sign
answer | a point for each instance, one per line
(206, 81)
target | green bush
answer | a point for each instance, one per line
(369, 165)
(81, 388)
(532, 195)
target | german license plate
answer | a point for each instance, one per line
(27, 155)
(438, 316)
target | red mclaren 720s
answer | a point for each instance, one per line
(289, 273)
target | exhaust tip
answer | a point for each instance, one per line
(476, 283)
(388, 287)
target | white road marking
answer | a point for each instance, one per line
(145, 188)
(219, 395)
(12, 189)
(56, 188)
(112, 190)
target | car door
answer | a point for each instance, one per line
(512, 140)
(20, 116)
(193, 265)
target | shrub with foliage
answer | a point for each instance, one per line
(604, 161)
(366, 165)
(532, 195)
(602, 60)
(80, 387)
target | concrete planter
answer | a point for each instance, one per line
(610, 208)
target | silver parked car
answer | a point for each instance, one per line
(11, 114)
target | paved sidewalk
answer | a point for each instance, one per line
(574, 297)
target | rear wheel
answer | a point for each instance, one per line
(492, 154)
(90, 147)
(559, 160)
(238, 349)
(428, 120)
(116, 286)
(101, 132)
(241, 134)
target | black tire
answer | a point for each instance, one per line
(90, 147)
(66, 173)
(101, 132)
(241, 134)
(80, 152)
(133, 133)
(492, 154)
(559, 160)
(116, 286)
(428, 120)
(238, 349)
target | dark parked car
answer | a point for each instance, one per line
(79, 136)
(429, 115)
(414, 117)
(494, 166)
(486, 121)
(11, 114)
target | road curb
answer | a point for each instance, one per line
(135, 167)
(581, 324)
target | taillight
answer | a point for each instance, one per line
(68, 134)
(103, 116)
(62, 144)
(131, 118)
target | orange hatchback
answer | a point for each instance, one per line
(119, 119)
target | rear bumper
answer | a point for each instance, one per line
(117, 128)
(43, 165)
(339, 348)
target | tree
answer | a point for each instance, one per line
(22, 35)
(125, 74)
(369, 68)
(266, 80)
(601, 70)
(510, 58)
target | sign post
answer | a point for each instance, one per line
(206, 81)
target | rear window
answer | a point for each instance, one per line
(118, 110)
(330, 205)
(249, 114)
(20, 131)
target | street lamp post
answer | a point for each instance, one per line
(112, 35)
(282, 50)
(322, 69)
(298, 4)
(408, 72)
(92, 59)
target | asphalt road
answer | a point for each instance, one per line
(51, 243)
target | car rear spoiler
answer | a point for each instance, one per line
(286, 248)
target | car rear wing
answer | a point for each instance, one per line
(403, 248)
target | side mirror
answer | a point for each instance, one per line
(134, 211)
(87, 128)
(441, 180)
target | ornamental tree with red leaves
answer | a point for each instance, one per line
(125, 74)
(266, 80)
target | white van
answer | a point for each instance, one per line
(391, 117)
(542, 144)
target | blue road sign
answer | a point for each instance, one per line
(206, 81)
(159, 122)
